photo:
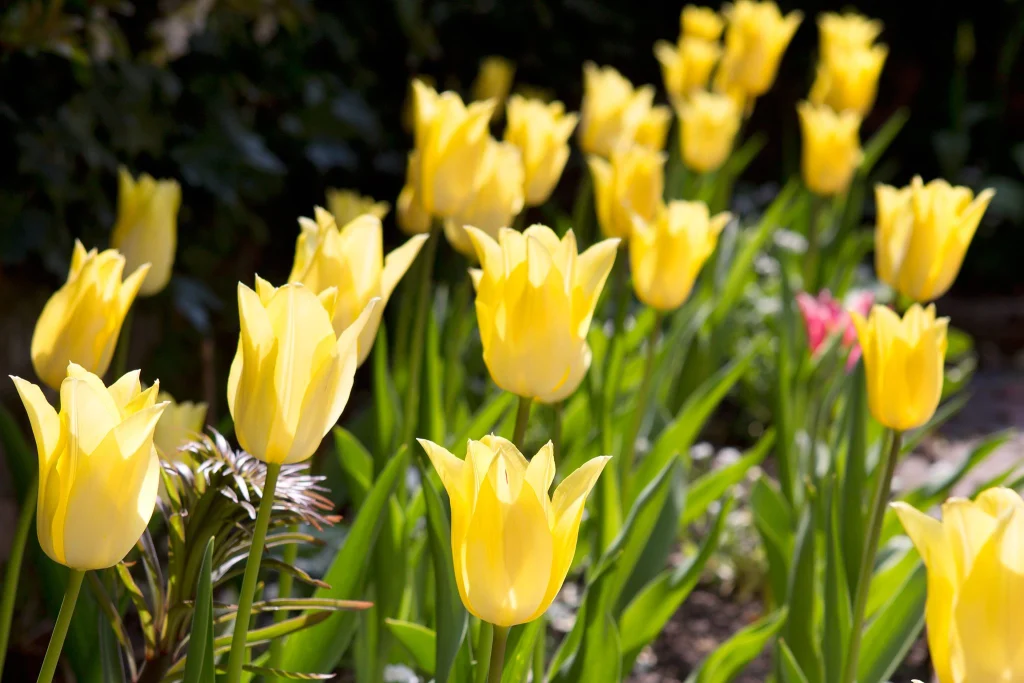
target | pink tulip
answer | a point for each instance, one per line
(824, 316)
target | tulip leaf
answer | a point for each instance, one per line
(489, 414)
(855, 489)
(387, 405)
(356, 465)
(889, 636)
(419, 641)
(522, 641)
(800, 631)
(838, 610)
(880, 141)
(791, 671)
(730, 658)
(713, 485)
(199, 663)
(569, 651)
(893, 572)
(433, 426)
(773, 519)
(319, 649)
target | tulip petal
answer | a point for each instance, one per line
(540, 472)
(45, 425)
(487, 250)
(87, 409)
(251, 399)
(592, 269)
(125, 389)
(397, 263)
(968, 527)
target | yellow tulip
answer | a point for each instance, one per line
(98, 470)
(512, 545)
(840, 34)
(903, 362)
(535, 297)
(708, 126)
(922, 235)
(831, 148)
(496, 204)
(147, 227)
(541, 133)
(451, 145)
(686, 67)
(755, 39)
(291, 376)
(702, 23)
(632, 183)
(180, 424)
(494, 80)
(351, 260)
(345, 205)
(412, 218)
(975, 562)
(612, 110)
(82, 320)
(653, 130)
(666, 255)
(850, 83)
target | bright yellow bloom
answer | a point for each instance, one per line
(755, 39)
(535, 297)
(496, 204)
(512, 545)
(612, 110)
(351, 260)
(903, 362)
(82, 320)
(181, 423)
(345, 205)
(410, 215)
(831, 148)
(451, 145)
(708, 123)
(666, 255)
(494, 80)
(975, 562)
(291, 376)
(653, 130)
(840, 34)
(702, 23)
(686, 67)
(922, 235)
(850, 83)
(632, 183)
(98, 470)
(147, 227)
(541, 132)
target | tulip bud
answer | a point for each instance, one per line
(831, 148)
(975, 562)
(291, 376)
(351, 260)
(147, 227)
(702, 23)
(922, 235)
(653, 129)
(612, 110)
(346, 205)
(82, 320)
(840, 34)
(708, 126)
(633, 183)
(850, 83)
(494, 80)
(535, 297)
(686, 67)
(903, 362)
(755, 39)
(667, 254)
(512, 545)
(541, 133)
(411, 217)
(98, 470)
(180, 424)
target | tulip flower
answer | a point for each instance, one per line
(612, 110)
(494, 80)
(667, 254)
(541, 133)
(451, 145)
(535, 297)
(351, 260)
(686, 67)
(181, 423)
(824, 316)
(346, 205)
(98, 470)
(512, 544)
(850, 83)
(840, 34)
(755, 39)
(410, 215)
(82, 320)
(292, 375)
(653, 129)
(922, 235)
(831, 148)
(702, 23)
(632, 183)
(147, 227)
(975, 563)
(709, 123)
(903, 363)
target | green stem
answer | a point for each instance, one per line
(412, 393)
(867, 559)
(60, 629)
(284, 590)
(811, 263)
(626, 464)
(124, 340)
(483, 652)
(21, 533)
(497, 654)
(522, 418)
(556, 430)
(538, 652)
(582, 207)
(252, 571)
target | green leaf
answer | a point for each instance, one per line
(732, 656)
(791, 671)
(800, 631)
(881, 140)
(889, 636)
(838, 618)
(419, 641)
(571, 649)
(433, 397)
(855, 487)
(387, 405)
(774, 522)
(888, 577)
(356, 465)
(713, 485)
(199, 663)
(319, 649)
(519, 656)
(783, 398)
(489, 414)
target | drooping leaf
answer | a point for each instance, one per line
(729, 659)
(418, 640)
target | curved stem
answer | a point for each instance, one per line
(252, 571)
(60, 629)
(21, 533)
(497, 654)
(522, 418)
(412, 393)
(867, 559)
(629, 454)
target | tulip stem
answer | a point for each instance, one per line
(60, 629)
(497, 654)
(21, 533)
(556, 430)
(879, 501)
(626, 464)
(522, 418)
(483, 652)
(581, 208)
(425, 291)
(539, 651)
(124, 340)
(252, 571)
